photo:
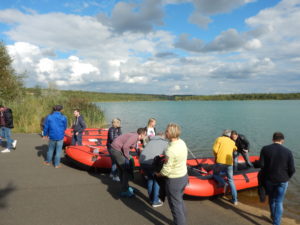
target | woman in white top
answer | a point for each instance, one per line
(151, 127)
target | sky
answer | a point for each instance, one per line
(189, 47)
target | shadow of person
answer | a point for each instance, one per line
(42, 151)
(4, 193)
(137, 203)
(226, 204)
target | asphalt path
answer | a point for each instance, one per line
(32, 193)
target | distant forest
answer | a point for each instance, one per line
(110, 97)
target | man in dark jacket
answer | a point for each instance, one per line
(78, 128)
(242, 145)
(6, 124)
(277, 167)
(54, 129)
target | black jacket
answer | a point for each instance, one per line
(277, 163)
(79, 125)
(8, 118)
(242, 143)
(113, 133)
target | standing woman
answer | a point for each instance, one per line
(176, 172)
(151, 131)
(113, 132)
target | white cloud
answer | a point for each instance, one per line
(81, 52)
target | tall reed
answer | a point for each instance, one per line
(30, 109)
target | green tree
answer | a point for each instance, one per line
(11, 84)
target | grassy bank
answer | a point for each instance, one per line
(31, 108)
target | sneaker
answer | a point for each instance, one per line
(235, 203)
(5, 150)
(157, 204)
(46, 163)
(126, 194)
(116, 178)
(132, 189)
(14, 144)
(111, 175)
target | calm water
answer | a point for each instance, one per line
(203, 121)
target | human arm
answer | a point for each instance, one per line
(291, 165)
(129, 143)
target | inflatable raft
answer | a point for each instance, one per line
(202, 184)
(90, 136)
(87, 157)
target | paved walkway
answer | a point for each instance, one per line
(34, 194)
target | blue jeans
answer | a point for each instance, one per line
(77, 139)
(6, 133)
(228, 170)
(152, 185)
(114, 169)
(235, 159)
(57, 146)
(276, 192)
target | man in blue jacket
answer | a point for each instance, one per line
(54, 129)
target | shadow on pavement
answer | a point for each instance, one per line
(226, 204)
(4, 193)
(42, 151)
(136, 203)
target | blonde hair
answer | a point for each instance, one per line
(116, 122)
(150, 121)
(173, 131)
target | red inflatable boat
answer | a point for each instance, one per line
(90, 136)
(202, 184)
(88, 157)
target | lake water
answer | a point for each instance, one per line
(203, 121)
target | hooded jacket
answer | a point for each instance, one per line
(55, 126)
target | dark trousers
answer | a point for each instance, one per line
(174, 189)
(77, 139)
(120, 159)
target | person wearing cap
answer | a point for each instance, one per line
(223, 149)
(6, 124)
(54, 130)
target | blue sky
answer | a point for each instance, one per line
(155, 46)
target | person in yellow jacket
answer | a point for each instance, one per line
(223, 150)
(175, 171)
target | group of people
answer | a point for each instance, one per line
(173, 171)
(276, 161)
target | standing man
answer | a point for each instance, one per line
(156, 146)
(242, 145)
(6, 124)
(54, 129)
(119, 151)
(277, 166)
(223, 150)
(78, 128)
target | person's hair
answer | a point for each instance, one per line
(233, 132)
(1, 106)
(58, 108)
(173, 130)
(77, 110)
(116, 122)
(141, 131)
(278, 136)
(227, 133)
(150, 121)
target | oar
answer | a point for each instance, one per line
(192, 154)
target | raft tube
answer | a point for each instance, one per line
(202, 184)
(93, 156)
(90, 136)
